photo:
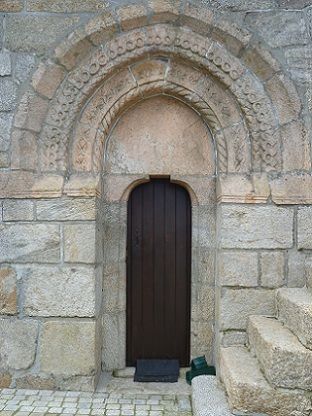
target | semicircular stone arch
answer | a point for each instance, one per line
(163, 40)
(166, 77)
(207, 56)
(65, 121)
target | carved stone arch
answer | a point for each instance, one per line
(261, 114)
(249, 94)
(219, 115)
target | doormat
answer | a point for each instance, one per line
(161, 371)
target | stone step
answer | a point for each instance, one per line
(249, 392)
(208, 399)
(295, 311)
(283, 359)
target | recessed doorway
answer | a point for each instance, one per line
(158, 272)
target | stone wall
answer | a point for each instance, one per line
(68, 71)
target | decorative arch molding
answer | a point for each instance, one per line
(89, 139)
(210, 57)
(58, 137)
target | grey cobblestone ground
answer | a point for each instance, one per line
(123, 402)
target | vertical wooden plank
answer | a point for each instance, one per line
(183, 270)
(147, 341)
(159, 267)
(170, 272)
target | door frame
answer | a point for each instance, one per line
(129, 275)
(115, 193)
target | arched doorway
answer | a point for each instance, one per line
(158, 272)
(159, 137)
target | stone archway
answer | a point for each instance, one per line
(159, 136)
(60, 139)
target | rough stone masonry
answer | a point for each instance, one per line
(95, 97)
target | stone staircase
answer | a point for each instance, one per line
(273, 375)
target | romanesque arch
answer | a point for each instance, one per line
(200, 70)
(59, 147)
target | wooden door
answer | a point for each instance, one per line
(158, 272)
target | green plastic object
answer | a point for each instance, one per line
(199, 367)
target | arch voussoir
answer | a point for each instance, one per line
(215, 59)
(166, 42)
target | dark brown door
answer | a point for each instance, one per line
(158, 272)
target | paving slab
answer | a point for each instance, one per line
(114, 397)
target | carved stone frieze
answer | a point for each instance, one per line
(144, 91)
(160, 40)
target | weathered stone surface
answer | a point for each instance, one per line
(5, 63)
(260, 60)
(238, 268)
(5, 128)
(8, 94)
(243, 189)
(34, 33)
(293, 4)
(231, 338)
(24, 64)
(24, 150)
(203, 303)
(248, 391)
(82, 186)
(66, 209)
(238, 304)
(202, 336)
(47, 78)
(298, 59)
(283, 359)
(21, 184)
(59, 291)
(279, 28)
(307, 278)
(31, 112)
(208, 398)
(232, 35)
(118, 187)
(160, 136)
(132, 16)
(4, 159)
(164, 10)
(285, 99)
(256, 227)
(68, 348)
(5, 380)
(18, 210)
(66, 6)
(205, 259)
(113, 352)
(79, 243)
(298, 269)
(101, 28)
(149, 71)
(17, 343)
(35, 382)
(292, 189)
(296, 152)
(11, 5)
(305, 227)
(26, 243)
(295, 311)
(239, 5)
(196, 17)
(8, 291)
(272, 265)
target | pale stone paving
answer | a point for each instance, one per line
(51, 403)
